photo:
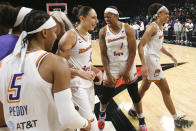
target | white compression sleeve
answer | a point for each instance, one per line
(67, 114)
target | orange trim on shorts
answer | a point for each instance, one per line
(134, 79)
(154, 80)
(36, 63)
(91, 120)
(32, 51)
(131, 81)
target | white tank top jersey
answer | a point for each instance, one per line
(80, 58)
(153, 47)
(27, 99)
(117, 45)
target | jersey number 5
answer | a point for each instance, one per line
(14, 88)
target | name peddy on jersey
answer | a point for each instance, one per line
(117, 45)
(27, 98)
(153, 47)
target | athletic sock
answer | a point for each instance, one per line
(175, 117)
(133, 108)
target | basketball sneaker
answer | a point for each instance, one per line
(132, 113)
(142, 127)
(182, 123)
(101, 121)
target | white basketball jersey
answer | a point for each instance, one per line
(118, 53)
(117, 45)
(80, 58)
(27, 98)
(153, 47)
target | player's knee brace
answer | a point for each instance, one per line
(107, 94)
(133, 92)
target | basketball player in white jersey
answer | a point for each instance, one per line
(118, 48)
(75, 46)
(150, 59)
(35, 84)
(10, 19)
(63, 24)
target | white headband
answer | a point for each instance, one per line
(19, 50)
(47, 25)
(111, 10)
(160, 9)
(22, 13)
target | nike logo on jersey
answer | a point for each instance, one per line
(116, 39)
(79, 40)
(84, 50)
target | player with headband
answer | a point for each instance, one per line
(152, 40)
(35, 84)
(118, 48)
(10, 19)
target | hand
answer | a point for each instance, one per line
(87, 128)
(175, 61)
(126, 77)
(144, 71)
(111, 82)
(100, 77)
(88, 75)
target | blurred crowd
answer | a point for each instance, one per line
(180, 29)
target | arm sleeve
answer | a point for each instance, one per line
(68, 116)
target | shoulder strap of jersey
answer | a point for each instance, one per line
(76, 37)
(37, 56)
(106, 30)
(124, 27)
(40, 58)
(157, 26)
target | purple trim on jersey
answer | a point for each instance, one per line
(7, 44)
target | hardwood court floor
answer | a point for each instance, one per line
(182, 83)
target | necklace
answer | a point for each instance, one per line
(81, 34)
